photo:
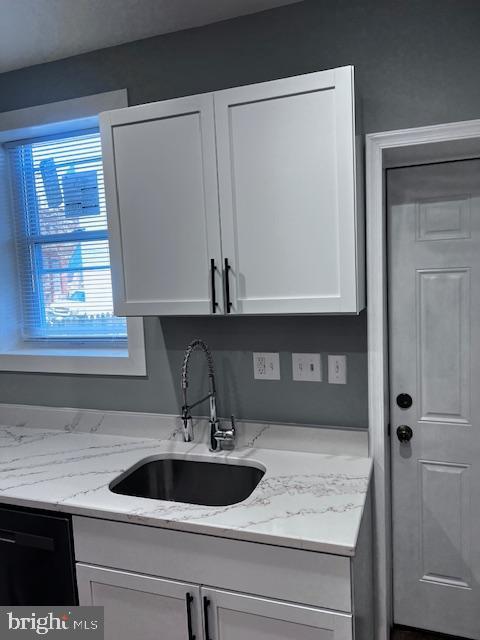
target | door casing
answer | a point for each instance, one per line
(387, 150)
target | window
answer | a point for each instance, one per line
(61, 239)
(56, 311)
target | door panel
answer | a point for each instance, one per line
(434, 307)
(233, 616)
(137, 606)
(443, 344)
(162, 196)
(445, 521)
(286, 158)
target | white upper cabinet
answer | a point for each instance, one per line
(276, 208)
(162, 203)
(286, 164)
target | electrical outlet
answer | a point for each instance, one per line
(307, 367)
(337, 369)
(266, 366)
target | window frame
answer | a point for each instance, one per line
(32, 239)
(96, 356)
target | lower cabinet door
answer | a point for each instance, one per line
(141, 607)
(233, 616)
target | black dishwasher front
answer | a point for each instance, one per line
(36, 559)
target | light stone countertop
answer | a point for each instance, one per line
(308, 501)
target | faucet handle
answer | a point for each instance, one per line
(226, 436)
(187, 424)
(233, 430)
(227, 433)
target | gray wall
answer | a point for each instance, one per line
(416, 62)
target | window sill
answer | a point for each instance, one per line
(102, 361)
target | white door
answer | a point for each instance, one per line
(162, 202)
(233, 616)
(434, 307)
(286, 167)
(139, 607)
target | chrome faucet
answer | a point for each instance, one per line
(220, 438)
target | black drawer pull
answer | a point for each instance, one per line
(227, 286)
(206, 604)
(189, 600)
(212, 276)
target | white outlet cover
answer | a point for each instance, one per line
(266, 366)
(337, 369)
(307, 367)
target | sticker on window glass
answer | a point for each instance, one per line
(80, 194)
(51, 184)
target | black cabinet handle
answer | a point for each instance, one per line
(212, 280)
(189, 600)
(227, 286)
(206, 604)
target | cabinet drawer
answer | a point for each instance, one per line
(316, 579)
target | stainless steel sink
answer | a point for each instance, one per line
(179, 480)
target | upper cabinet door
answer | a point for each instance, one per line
(162, 201)
(290, 226)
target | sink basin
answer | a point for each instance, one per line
(178, 480)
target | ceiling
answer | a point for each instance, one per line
(36, 31)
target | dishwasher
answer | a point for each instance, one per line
(37, 566)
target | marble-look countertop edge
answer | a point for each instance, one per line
(186, 527)
(154, 517)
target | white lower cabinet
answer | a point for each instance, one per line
(148, 608)
(141, 607)
(235, 616)
(158, 584)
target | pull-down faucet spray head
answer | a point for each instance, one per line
(196, 345)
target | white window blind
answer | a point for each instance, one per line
(62, 239)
